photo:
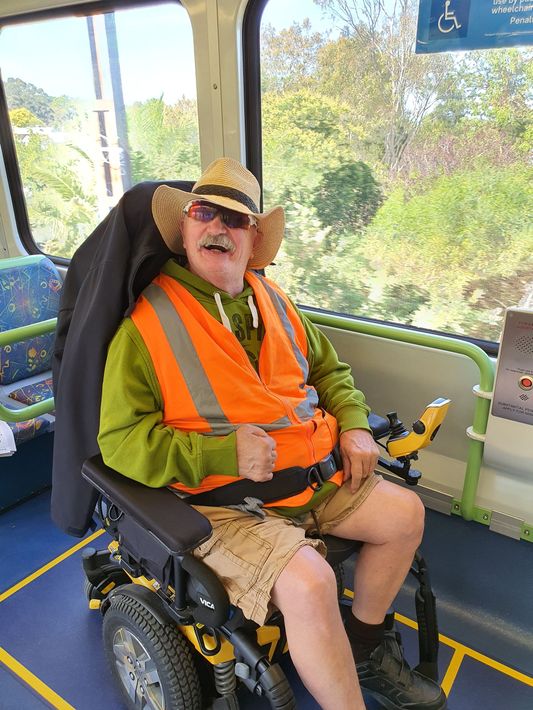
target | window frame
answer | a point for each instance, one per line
(7, 139)
(251, 33)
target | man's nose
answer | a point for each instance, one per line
(218, 223)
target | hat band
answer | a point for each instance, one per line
(231, 193)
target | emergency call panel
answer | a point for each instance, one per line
(513, 389)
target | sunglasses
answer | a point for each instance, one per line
(202, 212)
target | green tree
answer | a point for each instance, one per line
(289, 58)
(60, 192)
(485, 115)
(22, 118)
(21, 94)
(164, 140)
(399, 87)
(452, 245)
(304, 134)
(494, 86)
(347, 198)
(316, 271)
(67, 113)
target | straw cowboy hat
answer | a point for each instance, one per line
(226, 183)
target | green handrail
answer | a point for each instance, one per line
(438, 342)
(15, 335)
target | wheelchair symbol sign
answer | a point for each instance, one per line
(448, 21)
(449, 18)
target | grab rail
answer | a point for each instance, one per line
(15, 335)
(437, 342)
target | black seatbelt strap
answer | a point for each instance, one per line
(286, 483)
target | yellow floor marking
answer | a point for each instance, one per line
(17, 587)
(35, 683)
(452, 671)
(17, 668)
(465, 651)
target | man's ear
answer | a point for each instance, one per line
(258, 238)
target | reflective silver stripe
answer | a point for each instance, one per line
(306, 409)
(184, 351)
(196, 380)
(281, 423)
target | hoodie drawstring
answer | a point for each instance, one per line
(223, 316)
(253, 311)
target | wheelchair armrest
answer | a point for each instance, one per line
(177, 525)
(380, 426)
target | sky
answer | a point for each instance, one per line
(55, 56)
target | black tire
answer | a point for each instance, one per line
(136, 642)
(89, 590)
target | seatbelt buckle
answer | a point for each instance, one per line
(322, 471)
(314, 477)
(328, 466)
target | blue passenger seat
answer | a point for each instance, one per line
(29, 302)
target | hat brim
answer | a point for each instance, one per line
(167, 209)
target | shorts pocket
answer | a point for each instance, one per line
(237, 555)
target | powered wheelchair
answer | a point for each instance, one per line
(167, 621)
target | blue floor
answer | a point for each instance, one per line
(47, 627)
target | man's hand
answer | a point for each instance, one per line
(256, 453)
(359, 454)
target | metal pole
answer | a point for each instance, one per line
(97, 79)
(118, 99)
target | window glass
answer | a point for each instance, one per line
(407, 179)
(98, 104)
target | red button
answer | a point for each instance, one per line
(526, 383)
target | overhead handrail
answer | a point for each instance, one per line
(15, 335)
(437, 342)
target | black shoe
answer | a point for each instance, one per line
(387, 677)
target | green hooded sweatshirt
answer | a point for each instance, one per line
(133, 438)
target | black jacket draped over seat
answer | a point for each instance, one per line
(105, 277)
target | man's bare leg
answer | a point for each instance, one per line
(390, 522)
(306, 594)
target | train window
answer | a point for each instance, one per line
(408, 178)
(96, 105)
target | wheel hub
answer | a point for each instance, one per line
(137, 671)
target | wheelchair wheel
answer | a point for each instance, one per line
(151, 661)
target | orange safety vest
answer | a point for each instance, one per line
(209, 386)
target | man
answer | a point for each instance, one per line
(217, 379)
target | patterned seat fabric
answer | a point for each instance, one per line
(29, 292)
(30, 394)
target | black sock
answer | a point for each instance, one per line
(364, 638)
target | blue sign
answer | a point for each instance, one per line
(457, 25)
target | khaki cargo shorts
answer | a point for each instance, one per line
(248, 554)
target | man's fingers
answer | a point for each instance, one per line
(346, 467)
(256, 453)
(357, 476)
(254, 430)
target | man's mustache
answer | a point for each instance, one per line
(217, 240)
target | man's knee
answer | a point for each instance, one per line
(306, 578)
(410, 515)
